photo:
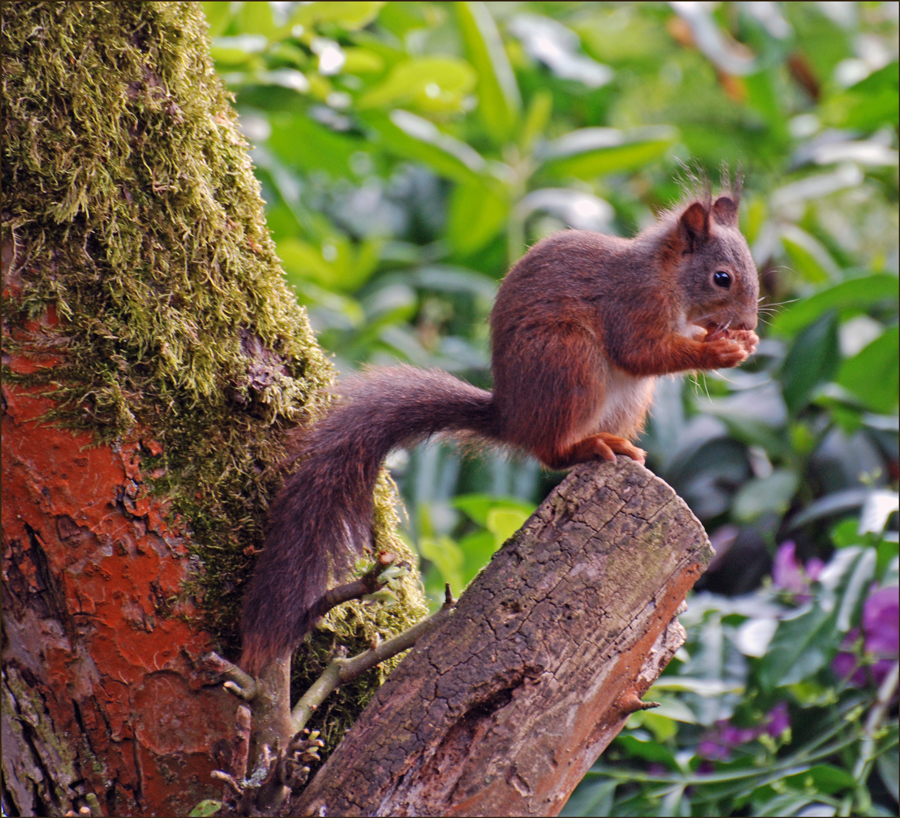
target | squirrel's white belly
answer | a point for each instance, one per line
(625, 403)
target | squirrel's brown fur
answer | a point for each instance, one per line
(582, 325)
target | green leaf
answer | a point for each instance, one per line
(499, 102)
(256, 18)
(479, 506)
(672, 709)
(755, 416)
(824, 778)
(782, 805)
(704, 687)
(477, 549)
(305, 261)
(808, 256)
(284, 77)
(765, 95)
(204, 808)
(890, 575)
(218, 15)
(765, 495)
(812, 359)
(429, 83)
(447, 278)
(846, 533)
(887, 764)
(337, 264)
(537, 118)
(838, 502)
(867, 105)
(362, 61)
(872, 374)
(478, 211)
(592, 798)
(591, 152)
(802, 645)
(856, 294)
(447, 557)
(646, 750)
(877, 510)
(334, 309)
(504, 522)
(304, 144)
(238, 52)
(351, 16)
(852, 585)
(413, 138)
(662, 727)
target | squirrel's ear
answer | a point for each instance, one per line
(694, 224)
(725, 211)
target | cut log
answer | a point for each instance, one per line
(504, 706)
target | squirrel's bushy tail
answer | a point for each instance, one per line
(323, 513)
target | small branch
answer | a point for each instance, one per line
(373, 580)
(240, 751)
(629, 702)
(229, 781)
(241, 684)
(341, 670)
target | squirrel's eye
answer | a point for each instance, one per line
(722, 279)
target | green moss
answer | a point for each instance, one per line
(131, 205)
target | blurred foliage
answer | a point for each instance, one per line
(410, 152)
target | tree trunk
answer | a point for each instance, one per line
(152, 359)
(503, 707)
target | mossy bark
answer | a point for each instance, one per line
(153, 359)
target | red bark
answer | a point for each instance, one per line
(94, 648)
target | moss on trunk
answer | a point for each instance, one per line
(134, 231)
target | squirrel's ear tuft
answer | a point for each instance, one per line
(725, 211)
(694, 225)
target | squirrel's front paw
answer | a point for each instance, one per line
(725, 352)
(747, 338)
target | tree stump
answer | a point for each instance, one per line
(504, 706)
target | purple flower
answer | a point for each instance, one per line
(712, 750)
(732, 736)
(846, 664)
(787, 572)
(880, 629)
(790, 574)
(724, 736)
(880, 622)
(814, 568)
(779, 720)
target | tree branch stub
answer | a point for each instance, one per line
(503, 706)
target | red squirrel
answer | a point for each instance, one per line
(582, 326)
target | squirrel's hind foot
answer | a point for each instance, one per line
(602, 446)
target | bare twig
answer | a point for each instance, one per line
(373, 580)
(228, 780)
(341, 670)
(241, 684)
(240, 751)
